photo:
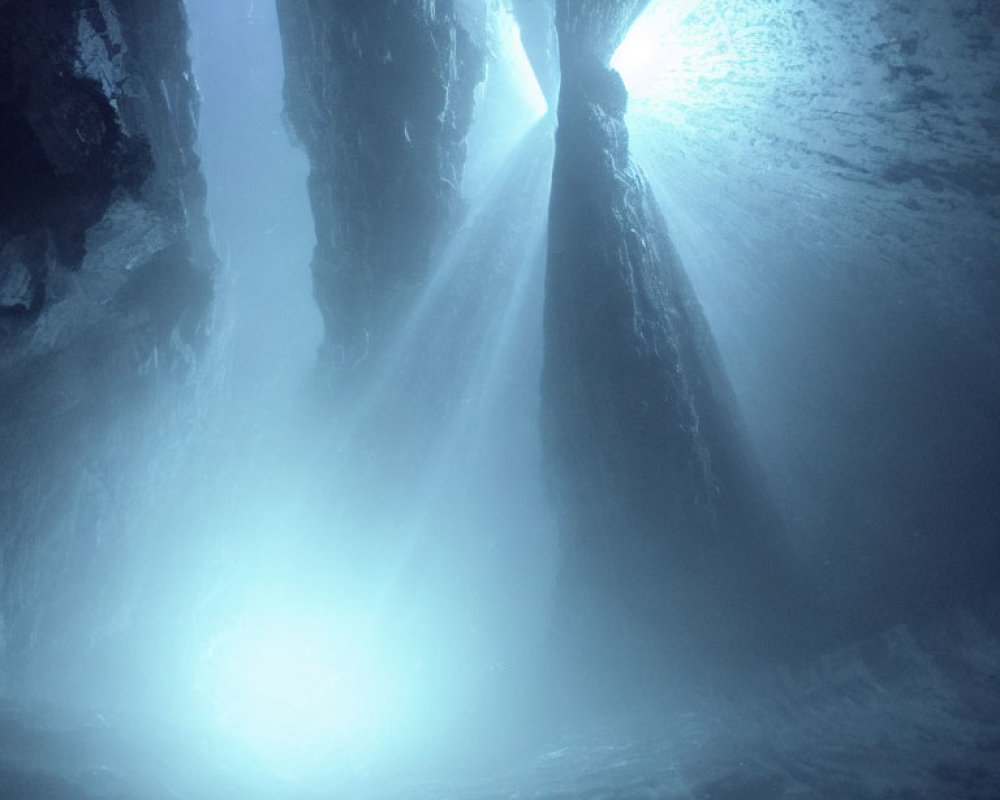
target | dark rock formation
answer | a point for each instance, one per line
(665, 526)
(593, 28)
(105, 276)
(381, 95)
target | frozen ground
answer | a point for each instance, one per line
(909, 714)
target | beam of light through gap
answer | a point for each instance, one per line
(672, 53)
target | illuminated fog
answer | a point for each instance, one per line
(354, 525)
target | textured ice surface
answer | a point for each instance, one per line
(907, 714)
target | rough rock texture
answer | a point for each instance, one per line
(594, 28)
(381, 95)
(664, 523)
(105, 278)
(832, 179)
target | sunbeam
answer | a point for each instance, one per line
(395, 402)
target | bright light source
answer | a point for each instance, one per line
(291, 688)
(299, 680)
(512, 53)
(285, 681)
(509, 104)
(674, 48)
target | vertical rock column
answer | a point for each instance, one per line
(381, 94)
(666, 532)
(105, 285)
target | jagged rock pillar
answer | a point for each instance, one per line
(105, 288)
(381, 95)
(667, 535)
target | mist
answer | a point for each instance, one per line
(499, 397)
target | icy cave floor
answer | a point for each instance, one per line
(907, 714)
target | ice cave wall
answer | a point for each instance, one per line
(105, 289)
(832, 181)
(876, 327)
(836, 187)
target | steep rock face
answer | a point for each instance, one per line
(664, 523)
(105, 276)
(381, 94)
(833, 183)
